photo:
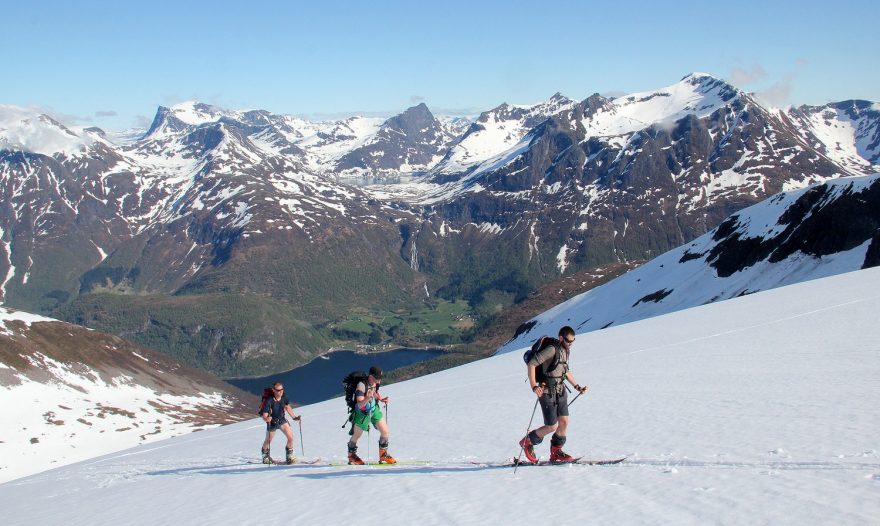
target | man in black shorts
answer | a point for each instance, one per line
(273, 414)
(548, 370)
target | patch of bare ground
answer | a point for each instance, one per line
(109, 410)
(49, 417)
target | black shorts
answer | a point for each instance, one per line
(274, 425)
(553, 405)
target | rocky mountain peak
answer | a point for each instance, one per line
(164, 122)
(415, 121)
(706, 83)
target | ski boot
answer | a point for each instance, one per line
(354, 459)
(385, 458)
(528, 449)
(558, 455)
(290, 458)
(266, 458)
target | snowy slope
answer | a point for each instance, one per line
(68, 394)
(849, 131)
(697, 94)
(767, 245)
(757, 410)
(497, 131)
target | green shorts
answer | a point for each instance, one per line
(362, 420)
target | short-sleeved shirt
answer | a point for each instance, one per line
(361, 390)
(548, 354)
(276, 408)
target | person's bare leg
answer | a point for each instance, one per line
(268, 441)
(563, 426)
(383, 429)
(289, 434)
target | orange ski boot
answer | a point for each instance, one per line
(385, 458)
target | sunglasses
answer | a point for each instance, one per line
(569, 341)
(278, 390)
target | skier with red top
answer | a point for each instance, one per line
(548, 370)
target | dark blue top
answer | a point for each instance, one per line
(275, 408)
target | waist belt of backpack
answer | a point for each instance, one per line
(555, 383)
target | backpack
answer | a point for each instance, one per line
(268, 393)
(350, 384)
(542, 343)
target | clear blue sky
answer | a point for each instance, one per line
(112, 63)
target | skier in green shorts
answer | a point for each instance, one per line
(366, 412)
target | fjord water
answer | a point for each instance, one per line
(321, 378)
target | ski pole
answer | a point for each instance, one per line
(575, 398)
(302, 447)
(386, 411)
(369, 440)
(521, 448)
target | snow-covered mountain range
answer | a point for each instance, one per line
(213, 202)
(69, 394)
(759, 409)
(795, 236)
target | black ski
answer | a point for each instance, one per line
(578, 461)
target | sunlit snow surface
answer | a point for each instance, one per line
(756, 410)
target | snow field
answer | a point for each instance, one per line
(760, 409)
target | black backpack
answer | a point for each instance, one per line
(350, 384)
(542, 343)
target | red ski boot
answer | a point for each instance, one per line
(558, 455)
(528, 449)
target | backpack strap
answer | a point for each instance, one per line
(557, 357)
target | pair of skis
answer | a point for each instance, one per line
(579, 460)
